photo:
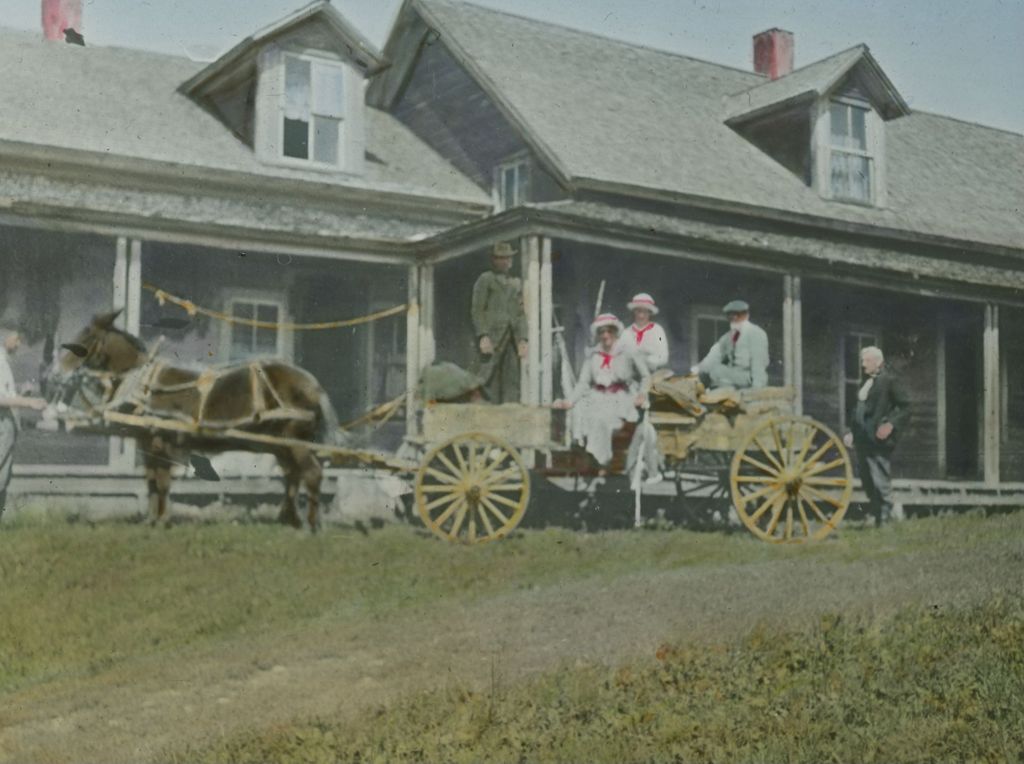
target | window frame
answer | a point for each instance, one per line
(874, 151)
(312, 57)
(521, 163)
(279, 300)
(698, 313)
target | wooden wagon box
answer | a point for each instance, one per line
(679, 433)
(520, 425)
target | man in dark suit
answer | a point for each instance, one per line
(877, 421)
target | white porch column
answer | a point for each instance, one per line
(530, 392)
(792, 340)
(428, 344)
(120, 279)
(547, 390)
(991, 403)
(133, 296)
(412, 350)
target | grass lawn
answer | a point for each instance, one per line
(900, 644)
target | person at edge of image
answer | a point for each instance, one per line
(9, 402)
(612, 386)
(499, 325)
(648, 340)
(876, 423)
(740, 357)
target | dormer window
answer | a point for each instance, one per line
(511, 183)
(850, 156)
(312, 119)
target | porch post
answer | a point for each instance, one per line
(412, 350)
(992, 406)
(120, 279)
(530, 393)
(133, 296)
(428, 345)
(547, 394)
(792, 340)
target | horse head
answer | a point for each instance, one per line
(100, 348)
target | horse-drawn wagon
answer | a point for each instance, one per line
(788, 477)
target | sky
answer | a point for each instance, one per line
(963, 59)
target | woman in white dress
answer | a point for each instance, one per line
(648, 340)
(602, 396)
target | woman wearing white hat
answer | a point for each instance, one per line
(645, 336)
(602, 394)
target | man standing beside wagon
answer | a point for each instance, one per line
(499, 325)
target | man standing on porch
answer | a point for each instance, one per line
(9, 399)
(881, 414)
(740, 357)
(499, 325)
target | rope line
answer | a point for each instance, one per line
(192, 309)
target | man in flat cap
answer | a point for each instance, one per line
(499, 324)
(740, 357)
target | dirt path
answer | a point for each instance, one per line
(143, 707)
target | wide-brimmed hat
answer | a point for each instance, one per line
(605, 319)
(736, 306)
(643, 301)
(504, 249)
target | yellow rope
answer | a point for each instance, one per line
(387, 410)
(192, 309)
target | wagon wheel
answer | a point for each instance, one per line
(791, 480)
(472, 488)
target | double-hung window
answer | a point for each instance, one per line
(852, 375)
(708, 326)
(313, 118)
(850, 159)
(249, 339)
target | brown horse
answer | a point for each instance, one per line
(265, 397)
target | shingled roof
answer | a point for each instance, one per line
(125, 103)
(626, 116)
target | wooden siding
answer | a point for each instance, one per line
(445, 107)
(907, 330)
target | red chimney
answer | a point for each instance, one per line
(59, 15)
(773, 53)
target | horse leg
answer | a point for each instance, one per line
(311, 472)
(289, 513)
(163, 489)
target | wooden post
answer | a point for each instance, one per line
(792, 340)
(133, 296)
(547, 359)
(428, 344)
(120, 279)
(412, 350)
(941, 457)
(798, 347)
(992, 406)
(531, 298)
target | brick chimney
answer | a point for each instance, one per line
(773, 53)
(59, 15)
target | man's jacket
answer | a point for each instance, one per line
(887, 401)
(498, 308)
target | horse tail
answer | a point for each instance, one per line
(327, 423)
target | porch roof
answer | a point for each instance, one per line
(758, 248)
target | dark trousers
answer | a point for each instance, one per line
(876, 477)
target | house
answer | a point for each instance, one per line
(306, 177)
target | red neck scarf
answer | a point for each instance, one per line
(606, 359)
(641, 332)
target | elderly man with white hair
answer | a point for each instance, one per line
(876, 423)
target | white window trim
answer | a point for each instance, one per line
(821, 150)
(522, 161)
(697, 312)
(310, 162)
(285, 339)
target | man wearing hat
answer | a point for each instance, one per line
(499, 325)
(647, 339)
(613, 384)
(740, 357)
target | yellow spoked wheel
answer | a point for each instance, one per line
(473, 488)
(791, 480)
